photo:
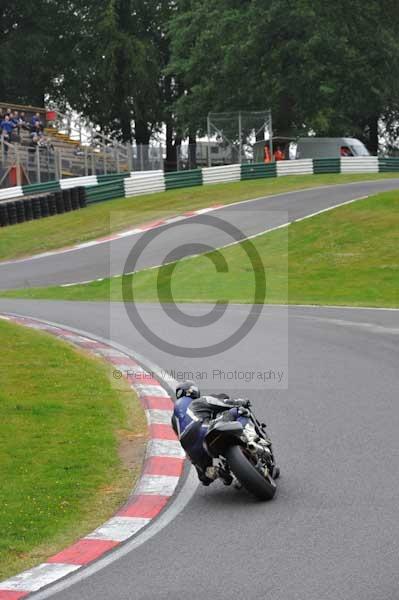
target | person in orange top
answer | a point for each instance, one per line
(279, 154)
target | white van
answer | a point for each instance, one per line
(318, 147)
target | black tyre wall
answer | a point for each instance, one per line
(36, 209)
(12, 213)
(67, 200)
(82, 196)
(3, 215)
(20, 209)
(75, 198)
(59, 200)
(28, 209)
(44, 206)
(52, 205)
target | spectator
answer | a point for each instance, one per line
(38, 140)
(38, 128)
(279, 154)
(4, 112)
(45, 143)
(14, 118)
(21, 124)
(7, 127)
(79, 151)
(35, 135)
(267, 157)
(36, 119)
(34, 142)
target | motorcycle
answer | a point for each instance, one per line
(241, 449)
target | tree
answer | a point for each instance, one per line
(327, 67)
(135, 67)
(105, 59)
(31, 49)
(111, 74)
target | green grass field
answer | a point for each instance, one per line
(348, 256)
(104, 218)
(62, 431)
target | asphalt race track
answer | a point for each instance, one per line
(332, 531)
(250, 217)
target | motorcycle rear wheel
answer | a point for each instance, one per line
(262, 487)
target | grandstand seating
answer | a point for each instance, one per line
(65, 157)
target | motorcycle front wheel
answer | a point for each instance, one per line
(240, 464)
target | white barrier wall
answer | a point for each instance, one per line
(66, 184)
(11, 193)
(360, 164)
(222, 174)
(149, 182)
(146, 182)
(294, 167)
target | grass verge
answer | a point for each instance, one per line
(104, 218)
(347, 256)
(64, 462)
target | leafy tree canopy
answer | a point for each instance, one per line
(133, 66)
(330, 67)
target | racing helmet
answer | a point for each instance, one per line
(187, 388)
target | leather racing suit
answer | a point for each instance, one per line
(191, 420)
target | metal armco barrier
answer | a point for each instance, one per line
(258, 171)
(389, 165)
(38, 188)
(223, 174)
(366, 164)
(9, 193)
(326, 165)
(181, 179)
(112, 177)
(141, 183)
(124, 185)
(78, 181)
(295, 167)
(105, 191)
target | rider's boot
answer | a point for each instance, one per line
(225, 476)
(206, 477)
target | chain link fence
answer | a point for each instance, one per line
(69, 145)
(21, 164)
(36, 164)
(236, 133)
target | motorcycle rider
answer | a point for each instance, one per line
(191, 418)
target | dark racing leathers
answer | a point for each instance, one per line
(190, 421)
